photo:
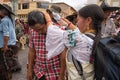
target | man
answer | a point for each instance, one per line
(54, 13)
(7, 33)
(108, 26)
(43, 68)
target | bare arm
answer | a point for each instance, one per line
(31, 57)
(63, 64)
(5, 48)
(48, 19)
(70, 25)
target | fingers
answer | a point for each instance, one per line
(5, 49)
(67, 21)
(70, 25)
(47, 18)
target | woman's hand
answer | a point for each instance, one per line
(47, 18)
(70, 25)
(62, 23)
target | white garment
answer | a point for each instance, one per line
(108, 29)
(54, 44)
(88, 71)
(57, 40)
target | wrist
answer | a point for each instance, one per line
(69, 24)
(29, 67)
(5, 45)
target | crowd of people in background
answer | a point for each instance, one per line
(21, 29)
(115, 16)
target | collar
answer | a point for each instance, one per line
(90, 31)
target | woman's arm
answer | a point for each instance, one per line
(47, 18)
(70, 25)
(49, 21)
(63, 64)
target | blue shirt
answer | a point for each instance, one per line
(7, 29)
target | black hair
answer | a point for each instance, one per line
(48, 11)
(97, 15)
(35, 17)
(72, 17)
(95, 12)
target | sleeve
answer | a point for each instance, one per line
(69, 37)
(113, 31)
(5, 27)
(54, 43)
(31, 39)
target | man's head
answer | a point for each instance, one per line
(54, 8)
(54, 12)
(5, 10)
(36, 21)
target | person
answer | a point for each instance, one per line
(38, 64)
(18, 29)
(54, 13)
(8, 39)
(108, 26)
(74, 42)
(26, 31)
(8, 36)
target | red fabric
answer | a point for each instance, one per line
(49, 68)
(26, 28)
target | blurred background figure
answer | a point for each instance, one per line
(108, 25)
(72, 18)
(18, 28)
(54, 13)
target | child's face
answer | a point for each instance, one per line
(40, 28)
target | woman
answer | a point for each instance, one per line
(78, 44)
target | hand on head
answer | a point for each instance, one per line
(47, 18)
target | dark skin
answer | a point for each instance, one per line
(31, 58)
(63, 64)
(5, 48)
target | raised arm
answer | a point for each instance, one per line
(48, 19)
(70, 25)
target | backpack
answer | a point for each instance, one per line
(106, 54)
(107, 59)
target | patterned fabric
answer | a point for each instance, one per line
(71, 37)
(108, 28)
(43, 66)
(61, 40)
